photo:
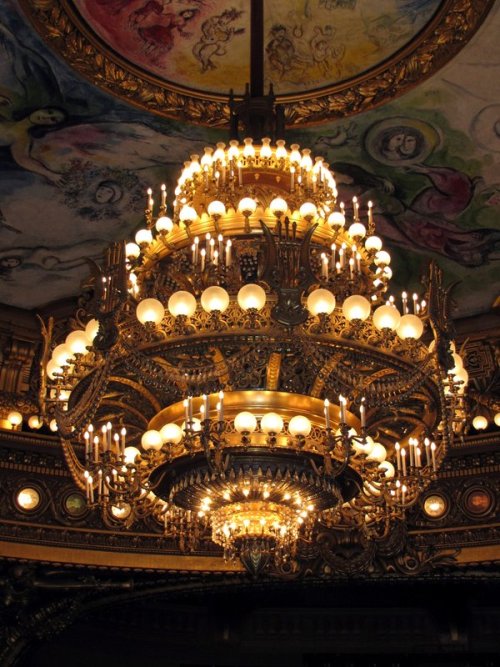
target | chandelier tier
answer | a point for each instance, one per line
(280, 386)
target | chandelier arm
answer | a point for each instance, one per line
(75, 467)
(71, 422)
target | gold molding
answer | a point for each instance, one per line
(102, 558)
(450, 29)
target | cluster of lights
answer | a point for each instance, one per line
(213, 235)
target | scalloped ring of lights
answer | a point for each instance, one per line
(258, 309)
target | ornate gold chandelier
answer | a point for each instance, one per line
(287, 387)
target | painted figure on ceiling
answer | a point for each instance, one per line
(430, 220)
(157, 27)
(216, 33)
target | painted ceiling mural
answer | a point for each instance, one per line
(75, 162)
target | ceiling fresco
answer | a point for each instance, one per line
(325, 58)
(75, 163)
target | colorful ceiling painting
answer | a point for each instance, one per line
(325, 58)
(75, 161)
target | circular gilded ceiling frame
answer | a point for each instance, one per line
(61, 27)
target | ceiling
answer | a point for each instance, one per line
(99, 100)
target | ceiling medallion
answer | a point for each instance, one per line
(160, 60)
(286, 390)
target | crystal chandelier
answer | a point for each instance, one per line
(284, 387)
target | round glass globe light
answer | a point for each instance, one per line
(382, 258)
(15, 418)
(53, 369)
(321, 301)
(245, 422)
(356, 307)
(480, 423)
(130, 454)
(77, 342)
(387, 468)
(171, 433)
(278, 207)
(151, 440)
(53, 425)
(164, 225)
(216, 208)
(251, 296)
(336, 219)
(496, 419)
(365, 446)
(357, 230)
(187, 214)
(132, 250)
(378, 453)
(62, 354)
(35, 422)
(121, 511)
(373, 243)
(271, 422)
(150, 311)
(247, 206)
(28, 498)
(214, 298)
(308, 210)
(143, 237)
(386, 317)
(299, 425)
(182, 303)
(410, 326)
(91, 329)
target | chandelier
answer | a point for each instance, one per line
(289, 388)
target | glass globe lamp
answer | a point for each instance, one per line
(387, 469)
(53, 369)
(247, 206)
(182, 303)
(151, 440)
(299, 426)
(336, 220)
(171, 433)
(35, 422)
(130, 454)
(245, 422)
(187, 215)
(214, 299)
(216, 209)
(15, 418)
(91, 329)
(271, 422)
(62, 354)
(251, 296)
(357, 230)
(321, 301)
(356, 307)
(480, 422)
(143, 237)
(164, 225)
(308, 211)
(278, 207)
(386, 317)
(150, 311)
(410, 326)
(77, 342)
(132, 251)
(382, 258)
(373, 244)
